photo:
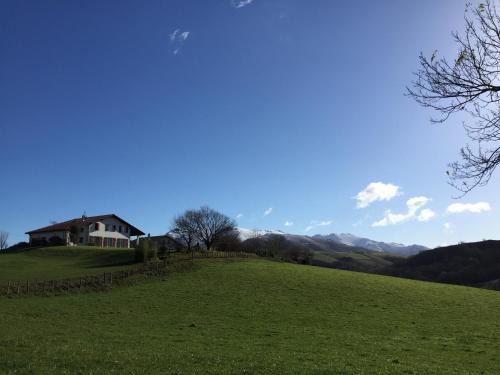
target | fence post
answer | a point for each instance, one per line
(8, 288)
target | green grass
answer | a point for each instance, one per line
(61, 262)
(256, 317)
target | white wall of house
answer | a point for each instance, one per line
(110, 228)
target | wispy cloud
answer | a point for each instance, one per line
(241, 3)
(414, 205)
(173, 34)
(476, 208)
(323, 223)
(318, 223)
(361, 221)
(448, 227)
(239, 216)
(288, 223)
(177, 39)
(268, 211)
(376, 191)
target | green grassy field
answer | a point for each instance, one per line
(256, 317)
(61, 262)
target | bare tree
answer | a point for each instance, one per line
(185, 228)
(4, 236)
(212, 225)
(470, 84)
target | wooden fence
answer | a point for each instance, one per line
(104, 280)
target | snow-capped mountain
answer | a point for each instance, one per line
(321, 242)
(245, 233)
(388, 247)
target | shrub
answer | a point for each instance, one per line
(141, 250)
(152, 253)
(146, 250)
(56, 241)
(39, 242)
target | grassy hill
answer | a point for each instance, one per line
(60, 262)
(256, 317)
(475, 263)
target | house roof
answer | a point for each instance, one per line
(66, 225)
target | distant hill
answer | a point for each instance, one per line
(475, 264)
(326, 253)
(387, 247)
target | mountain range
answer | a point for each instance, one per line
(336, 242)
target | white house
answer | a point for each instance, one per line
(104, 230)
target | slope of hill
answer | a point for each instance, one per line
(476, 263)
(60, 262)
(257, 317)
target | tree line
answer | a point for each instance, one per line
(206, 229)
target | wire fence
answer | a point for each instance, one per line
(104, 280)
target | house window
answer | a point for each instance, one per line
(120, 229)
(126, 229)
(81, 239)
(96, 226)
(114, 228)
(106, 228)
(81, 230)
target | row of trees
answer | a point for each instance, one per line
(213, 230)
(277, 246)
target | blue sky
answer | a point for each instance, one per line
(284, 107)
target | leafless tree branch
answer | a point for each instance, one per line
(469, 84)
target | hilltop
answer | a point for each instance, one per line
(474, 263)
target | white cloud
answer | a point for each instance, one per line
(458, 208)
(241, 3)
(376, 191)
(184, 35)
(310, 227)
(426, 214)
(239, 216)
(288, 223)
(414, 204)
(268, 211)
